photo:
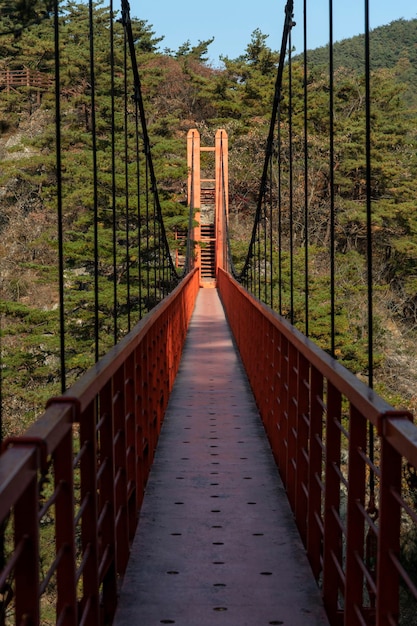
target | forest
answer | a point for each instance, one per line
(183, 91)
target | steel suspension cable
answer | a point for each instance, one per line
(279, 165)
(113, 173)
(162, 273)
(258, 256)
(265, 248)
(369, 196)
(95, 179)
(59, 196)
(306, 169)
(331, 182)
(271, 237)
(147, 238)
(155, 245)
(291, 181)
(3, 524)
(288, 23)
(369, 238)
(126, 174)
(147, 146)
(1, 384)
(138, 211)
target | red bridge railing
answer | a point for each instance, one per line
(71, 487)
(317, 415)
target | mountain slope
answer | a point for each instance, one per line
(393, 46)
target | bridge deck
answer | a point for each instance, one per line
(216, 542)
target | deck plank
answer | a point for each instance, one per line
(216, 542)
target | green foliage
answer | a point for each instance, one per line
(392, 47)
(253, 75)
(198, 53)
(182, 91)
(393, 191)
(29, 289)
(17, 15)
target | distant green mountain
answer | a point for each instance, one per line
(393, 46)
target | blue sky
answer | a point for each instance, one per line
(231, 22)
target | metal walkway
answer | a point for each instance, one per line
(216, 543)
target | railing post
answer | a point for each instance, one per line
(314, 523)
(162, 378)
(106, 493)
(142, 445)
(332, 536)
(120, 474)
(387, 607)
(150, 374)
(131, 452)
(301, 502)
(282, 421)
(276, 383)
(292, 433)
(65, 532)
(269, 380)
(27, 567)
(88, 499)
(354, 584)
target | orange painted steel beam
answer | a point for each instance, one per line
(221, 193)
(222, 196)
(194, 189)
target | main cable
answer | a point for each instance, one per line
(288, 24)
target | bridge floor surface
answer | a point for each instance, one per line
(216, 543)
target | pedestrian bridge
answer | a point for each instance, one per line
(217, 542)
(215, 466)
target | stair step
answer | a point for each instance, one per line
(208, 196)
(207, 231)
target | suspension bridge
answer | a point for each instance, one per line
(214, 466)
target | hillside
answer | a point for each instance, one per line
(392, 47)
(182, 91)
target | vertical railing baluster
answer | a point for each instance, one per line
(354, 585)
(89, 520)
(27, 568)
(284, 419)
(140, 428)
(301, 499)
(332, 540)
(120, 471)
(106, 489)
(130, 450)
(387, 606)
(292, 433)
(314, 533)
(65, 532)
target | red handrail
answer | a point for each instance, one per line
(96, 445)
(316, 414)
(80, 471)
